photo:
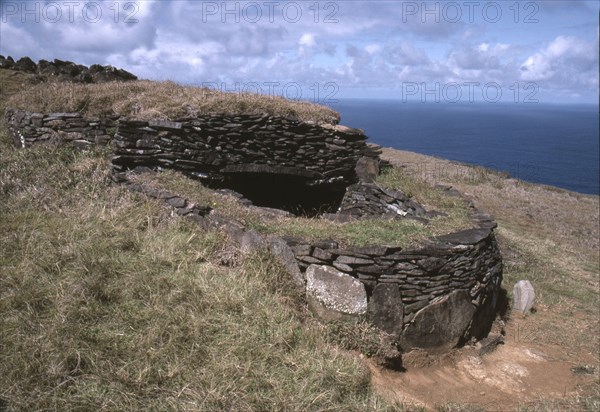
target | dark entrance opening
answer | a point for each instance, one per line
(295, 194)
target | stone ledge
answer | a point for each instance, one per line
(466, 237)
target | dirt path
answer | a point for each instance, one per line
(515, 374)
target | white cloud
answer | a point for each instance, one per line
(485, 56)
(406, 54)
(373, 48)
(307, 39)
(26, 44)
(567, 61)
(358, 44)
(483, 47)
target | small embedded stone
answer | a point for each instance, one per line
(177, 202)
(385, 309)
(351, 260)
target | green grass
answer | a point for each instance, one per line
(422, 192)
(108, 302)
(403, 232)
(358, 233)
(534, 263)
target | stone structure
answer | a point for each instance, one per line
(469, 261)
(307, 166)
(431, 297)
(66, 71)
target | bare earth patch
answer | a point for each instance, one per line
(517, 376)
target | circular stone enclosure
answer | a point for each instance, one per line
(432, 297)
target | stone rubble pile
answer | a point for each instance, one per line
(66, 71)
(371, 200)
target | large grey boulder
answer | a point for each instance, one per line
(385, 309)
(441, 324)
(523, 296)
(334, 295)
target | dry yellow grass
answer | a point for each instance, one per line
(160, 100)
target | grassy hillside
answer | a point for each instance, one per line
(108, 302)
(550, 237)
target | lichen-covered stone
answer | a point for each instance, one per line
(333, 294)
(523, 297)
(251, 241)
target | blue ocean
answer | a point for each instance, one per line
(556, 145)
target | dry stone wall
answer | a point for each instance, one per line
(28, 128)
(433, 297)
(469, 261)
(217, 146)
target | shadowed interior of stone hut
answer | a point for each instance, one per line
(295, 194)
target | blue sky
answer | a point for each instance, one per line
(511, 51)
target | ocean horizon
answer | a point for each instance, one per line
(546, 143)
